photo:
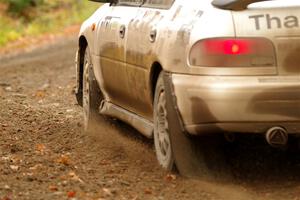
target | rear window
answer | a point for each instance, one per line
(164, 4)
(234, 4)
(130, 2)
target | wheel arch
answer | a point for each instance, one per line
(82, 45)
(156, 68)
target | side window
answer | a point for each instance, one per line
(130, 2)
(163, 4)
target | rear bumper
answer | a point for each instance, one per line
(237, 104)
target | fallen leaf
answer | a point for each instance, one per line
(41, 148)
(53, 188)
(64, 159)
(170, 177)
(40, 94)
(71, 194)
(148, 191)
(6, 198)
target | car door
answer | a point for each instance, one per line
(141, 40)
(112, 33)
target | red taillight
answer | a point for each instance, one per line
(223, 46)
(232, 52)
(235, 47)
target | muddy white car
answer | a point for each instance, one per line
(181, 71)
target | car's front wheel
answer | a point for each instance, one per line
(91, 93)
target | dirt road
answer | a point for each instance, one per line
(45, 155)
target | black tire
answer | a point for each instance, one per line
(194, 156)
(91, 93)
(162, 143)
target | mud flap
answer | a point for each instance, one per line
(186, 159)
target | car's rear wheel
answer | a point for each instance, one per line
(193, 156)
(162, 140)
(91, 94)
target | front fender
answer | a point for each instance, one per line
(90, 28)
(87, 37)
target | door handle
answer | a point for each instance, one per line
(122, 31)
(153, 35)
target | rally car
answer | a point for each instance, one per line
(182, 70)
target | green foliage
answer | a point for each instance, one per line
(25, 18)
(19, 6)
(7, 34)
(32, 8)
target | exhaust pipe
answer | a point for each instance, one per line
(277, 137)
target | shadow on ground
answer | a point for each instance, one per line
(250, 159)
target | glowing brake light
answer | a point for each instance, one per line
(232, 52)
(233, 47)
(226, 46)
